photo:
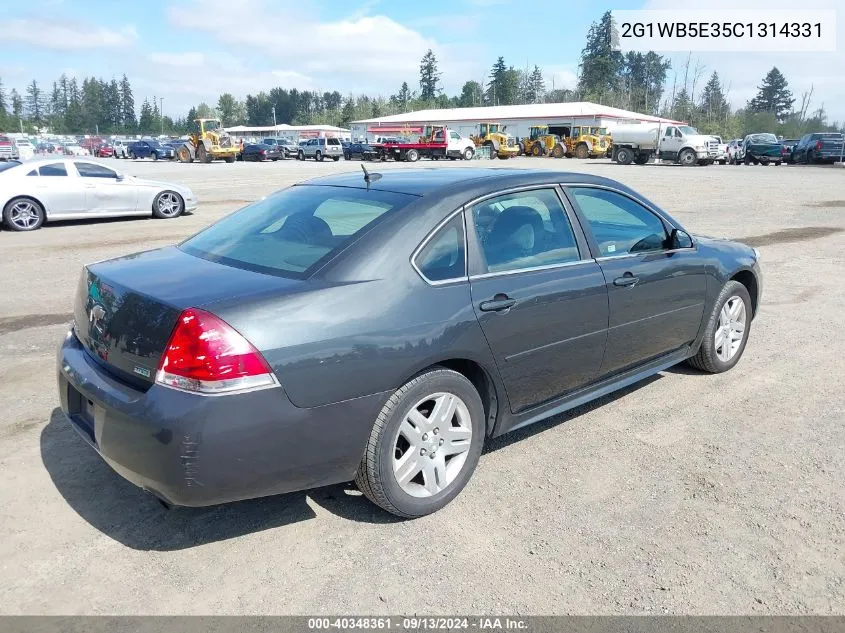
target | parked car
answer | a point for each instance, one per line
(76, 150)
(360, 150)
(269, 368)
(104, 151)
(68, 189)
(121, 148)
(286, 147)
(150, 149)
(8, 149)
(787, 145)
(26, 150)
(320, 149)
(735, 151)
(260, 151)
(762, 148)
(819, 147)
(8, 164)
(721, 151)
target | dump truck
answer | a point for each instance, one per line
(541, 143)
(495, 136)
(208, 142)
(676, 143)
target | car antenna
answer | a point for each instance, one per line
(368, 178)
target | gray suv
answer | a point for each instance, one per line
(320, 148)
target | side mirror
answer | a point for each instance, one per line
(121, 177)
(679, 239)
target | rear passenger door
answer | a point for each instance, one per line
(538, 295)
(656, 290)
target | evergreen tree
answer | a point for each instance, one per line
(73, 113)
(713, 107)
(536, 86)
(404, 97)
(127, 106)
(17, 105)
(145, 121)
(496, 85)
(112, 106)
(682, 106)
(643, 77)
(773, 95)
(35, 104)
(347, 115)
(3, 106)
(601, 66)
(429, 77)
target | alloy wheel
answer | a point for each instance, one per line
(169, 204)
(731, 329)
(24, 215)
(432, 444)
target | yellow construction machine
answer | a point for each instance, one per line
(495, 136)
(208, 142)
(541, 143)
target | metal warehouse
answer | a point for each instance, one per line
(517, 118)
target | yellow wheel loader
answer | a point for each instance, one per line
(208, 142)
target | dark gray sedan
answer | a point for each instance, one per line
(383, 327)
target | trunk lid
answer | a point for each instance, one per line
(126, 308)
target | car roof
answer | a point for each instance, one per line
(423, 181)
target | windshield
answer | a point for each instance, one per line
(290, 233)
(211, 126)
(686, 129)
(598, 131)
(764, 138)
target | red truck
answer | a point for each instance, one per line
(436, 141)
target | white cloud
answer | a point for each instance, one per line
(66, 35)
(372, 51)
(560, 77)
(180, 60)
(743, 72)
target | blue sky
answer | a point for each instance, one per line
(188, 51)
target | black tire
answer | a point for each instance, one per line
(687, 158)
(375, 476)
(412, 156)
(230, 159)
(641, 159)
(582, 151)
(318, 156)
(202, 155)
(167, 215)
(468, 153)
(34, 208)
(336, 158)
(154, 156)
(300, 155)
(810, 159)
(706, 358)
(624, 156)
(521, 146)
(558, 151)
(131, 155)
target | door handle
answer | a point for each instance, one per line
(498, 303)
(627, 279)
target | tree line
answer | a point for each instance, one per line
(633, 81)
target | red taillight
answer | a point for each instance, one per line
(206, 355)
(818, 144)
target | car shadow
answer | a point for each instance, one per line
(137, 520)
(503, 441)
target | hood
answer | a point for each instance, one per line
(157, 184)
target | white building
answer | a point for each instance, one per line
(292, 132)
(517, 118)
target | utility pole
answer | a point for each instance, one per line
(161, 114)
(274, 117)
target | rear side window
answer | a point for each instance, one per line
(333, 141)
(293, 232)
(443, 257)
(93, 170)
(53, 169)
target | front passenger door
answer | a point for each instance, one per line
(655, 291)
(538, 295)
(104, 192)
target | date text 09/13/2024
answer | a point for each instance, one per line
(417, 623)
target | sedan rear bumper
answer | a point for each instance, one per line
(192, 450)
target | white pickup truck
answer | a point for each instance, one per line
(678, 143)
(721, 151)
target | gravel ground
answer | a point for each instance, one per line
(686, 494)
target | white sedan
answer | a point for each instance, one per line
(47, 190)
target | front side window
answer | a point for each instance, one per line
(670, 131)
(619, 224)
(442, 258)
(523, 230)
(293, 231)
(93, 170)
(53, 169)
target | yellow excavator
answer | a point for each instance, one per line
(208, 142)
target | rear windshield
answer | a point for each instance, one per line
(764, 138)
(292, 232)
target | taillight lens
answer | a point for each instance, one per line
(206, 355)
(818, 144)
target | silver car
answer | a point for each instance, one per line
(320, 149)
(54, 189)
